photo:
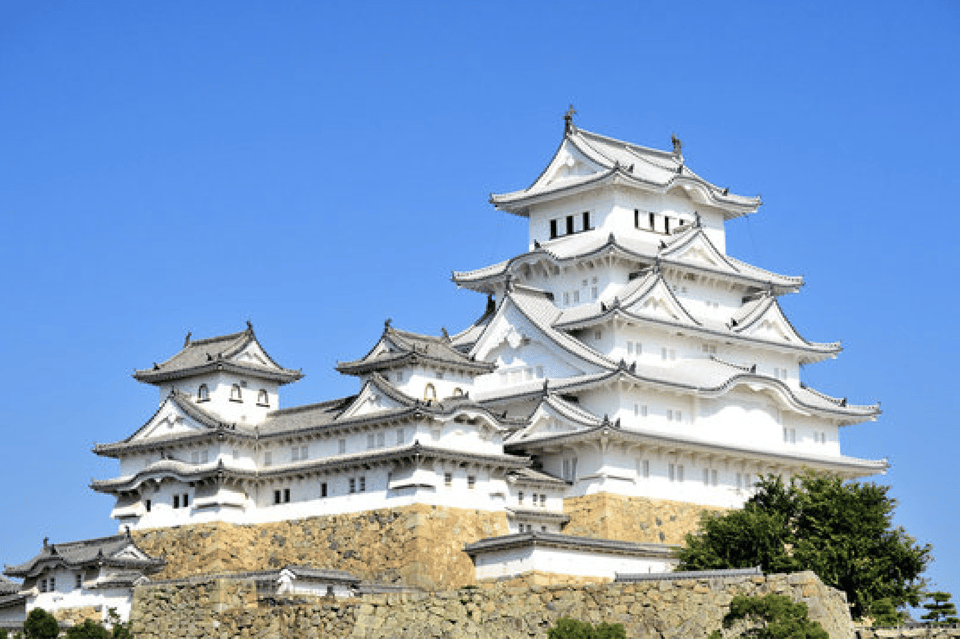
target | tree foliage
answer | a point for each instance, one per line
(89, 629)
(40, 624)
(567, 628)
(840, 530)
(771, 617)
(941, 609)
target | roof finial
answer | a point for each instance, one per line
(186, 340)
(46, 541)
(386, 323)
(677, 144)
(249, 326)
(568, 126)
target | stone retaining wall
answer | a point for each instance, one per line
(641, 519)
(668, 609)
(416, 545)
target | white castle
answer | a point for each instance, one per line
(624, 353)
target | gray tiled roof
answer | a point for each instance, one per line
(193, 472)
(216, 353)
(402, 348)
(689, 574)
(8, 587)
(76, 554)
(557, 540)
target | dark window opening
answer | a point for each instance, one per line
(553, 229)
(570, 225)
(653, 222)
(323, 489)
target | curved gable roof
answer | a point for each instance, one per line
(198, 357)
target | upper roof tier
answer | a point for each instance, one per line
(239, 353)
(586, 160)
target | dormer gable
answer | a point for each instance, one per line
(377, 395)
(522, 332)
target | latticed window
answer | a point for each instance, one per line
(203, 393)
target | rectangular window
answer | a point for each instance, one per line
(186, 500)
(539, 372)
(268, 458)
(645, 468)
(597, 335)
(713, 477)
(666, 224)
(370, 441)
(652, 221)
(323, 489)
(342, 446)
(176, 501)
(78, 581)
(636, 218)
(381, 437)
(399, 376)
(586, 221)
(147, 504)
(277, 497)
(669, 415)
(448, 480)
(675, 472)
(400, 436)
(543, 500)
(566, 299)
(569, 224)
(353, 485)
(553, 229)
(471, 481)
(520, 497)
(576, 297)
(363, 483)
(594, 292)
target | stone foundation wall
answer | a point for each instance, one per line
(416, 545)
(75, 616)
(641, 519)
(664, 609)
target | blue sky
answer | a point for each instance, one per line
(318, 168)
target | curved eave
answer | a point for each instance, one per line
(844, 414)
(851, 466)
(484, 283)
(183, 472)
(811, 352)
(828, 348)
(520, 202)
(159, 376)
(399, 360)
(118, 449)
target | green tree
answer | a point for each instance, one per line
(40, 624)
(89, 629)
(884, 613)
(567, 628)
(840, 530)
(771, 617)
(942, 610)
